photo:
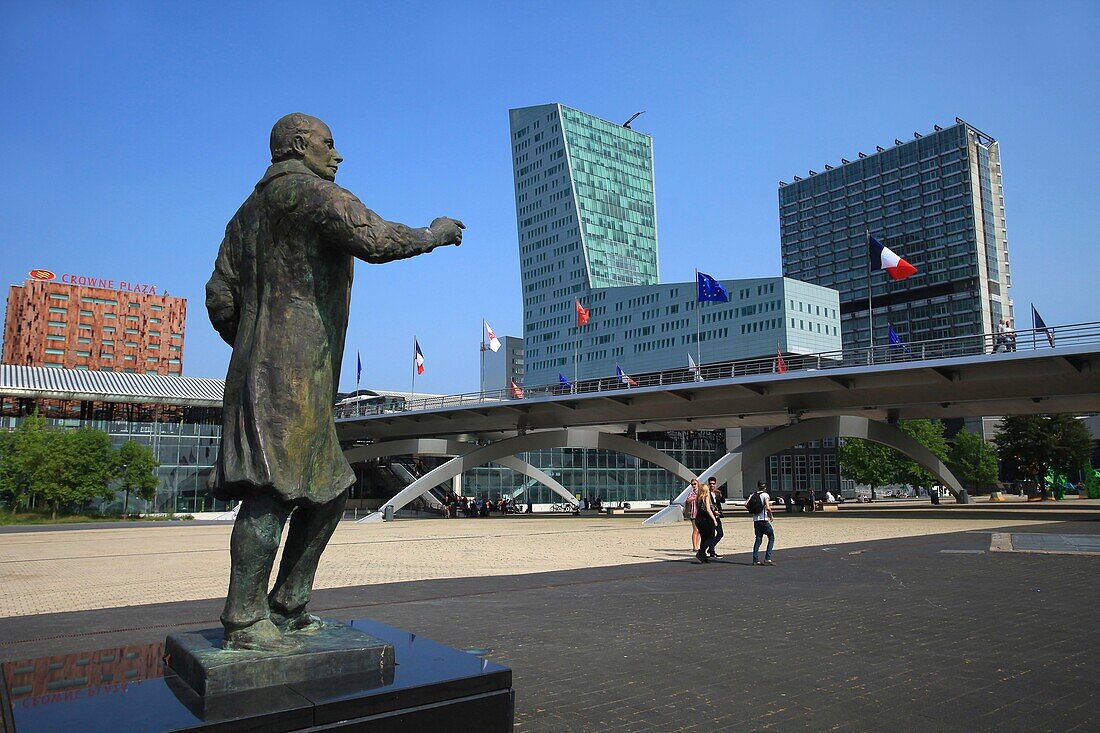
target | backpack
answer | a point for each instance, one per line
(755, 504)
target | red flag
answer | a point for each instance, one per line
(582, 315)
(780, 365)
(517, 391)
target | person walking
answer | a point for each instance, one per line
(706, 522)
(691, 505)
(716, 502)
(759, 505)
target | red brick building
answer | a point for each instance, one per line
(81, 322)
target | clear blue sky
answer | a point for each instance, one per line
(134, 131)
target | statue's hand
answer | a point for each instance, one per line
(447, 231)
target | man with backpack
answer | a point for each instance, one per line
(759, 505)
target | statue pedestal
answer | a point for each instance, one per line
(335, 650)
(425, 687)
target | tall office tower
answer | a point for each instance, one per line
(586, 214)
(937, 201)
(94, 324)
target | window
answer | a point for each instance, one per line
(55, 337)
(86, 314)
(132, 318)
(154, 320)
(59, 296)
(84, 353)
(56, 352)
(152, 359)
(59, 310)
(58, 324)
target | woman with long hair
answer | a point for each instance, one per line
(692, 505)
(705, 521)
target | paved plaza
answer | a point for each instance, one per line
(885, 624)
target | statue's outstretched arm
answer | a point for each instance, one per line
(353, 227)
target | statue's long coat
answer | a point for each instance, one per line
(279, 296)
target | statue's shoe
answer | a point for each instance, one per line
(262, 636)
(299, 623)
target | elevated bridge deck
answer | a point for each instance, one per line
(1065, 378)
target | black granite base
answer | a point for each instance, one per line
(432, 688)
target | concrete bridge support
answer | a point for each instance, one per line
(727, 469)
(442, 447)
(493, 452)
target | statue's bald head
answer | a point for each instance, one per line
(282, 134)
(301, 137)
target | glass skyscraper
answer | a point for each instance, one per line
(585, 210)
(938, 202)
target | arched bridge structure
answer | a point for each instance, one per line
(496, 451)
(1065, 378)
(727, 469)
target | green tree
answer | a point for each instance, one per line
(1032, 446)
(135, 466)
(1025, 447)
(23, 459)
(930, 435)
(1072, 445)
(867, 462)
(973, 460)
(80, 467)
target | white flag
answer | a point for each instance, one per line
(494, 342)
(694, 369)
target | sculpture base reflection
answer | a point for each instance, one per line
(429, 686)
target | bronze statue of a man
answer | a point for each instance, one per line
(279, 296)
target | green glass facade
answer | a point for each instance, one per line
(611, 169)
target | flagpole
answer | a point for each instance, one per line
(870, 306)
(412, 391)
(1033, 327)
(698, 341)
(577, 341)
(482, 384)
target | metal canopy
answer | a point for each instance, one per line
(1064, 379)
(73, 384)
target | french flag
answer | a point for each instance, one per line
(885, 258)
(418, 357)
(625, 378)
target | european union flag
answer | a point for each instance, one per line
(710, 289)
(565, 382)
(896, 342)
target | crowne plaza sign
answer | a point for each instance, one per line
(93, 281)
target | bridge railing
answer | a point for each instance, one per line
(957, 346)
